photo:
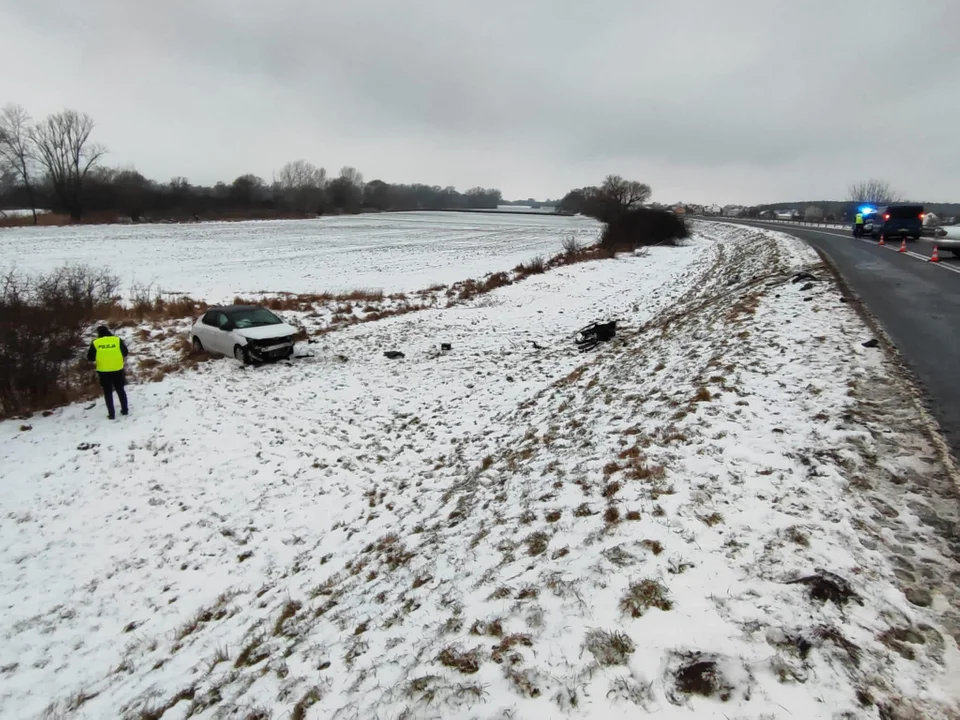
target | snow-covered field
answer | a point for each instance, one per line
(396, 252)
(21, 212)
(721, 514)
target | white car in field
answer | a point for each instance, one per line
(247, 332)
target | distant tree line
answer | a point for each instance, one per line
(54, 164)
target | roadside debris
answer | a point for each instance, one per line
(872, 343)
(804, 276)
(596, 333)
(394, 354)
(826, 586)
(446, 347)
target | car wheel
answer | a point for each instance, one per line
(197, 345)
(241, 354)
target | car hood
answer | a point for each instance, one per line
(265, 332)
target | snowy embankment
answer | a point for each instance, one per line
(707, 518)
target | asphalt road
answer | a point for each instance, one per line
(917, 302)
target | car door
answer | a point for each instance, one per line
(204, 330)
(211, 334)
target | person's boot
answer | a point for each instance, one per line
(111, 416)
(125, 411)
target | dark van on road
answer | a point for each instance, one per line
(901, 220)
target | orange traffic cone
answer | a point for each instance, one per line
(936, 255)
(903, 245)
(882, 241)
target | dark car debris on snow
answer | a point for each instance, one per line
(596, 333)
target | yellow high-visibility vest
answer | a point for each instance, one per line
(109, 357)
(859, 219)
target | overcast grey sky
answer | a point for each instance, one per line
(705, 100)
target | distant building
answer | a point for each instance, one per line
(712, 210)
(813, 213)
(931, 220)
(787, 214)
(732, 211)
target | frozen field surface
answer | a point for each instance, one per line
(731, 511)
(396, 252)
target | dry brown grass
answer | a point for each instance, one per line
(308, 700)
(553, 516)
(609, 648)
(703, 394)
(654, 546)
(252, 653)
(290, 608)
(506, 646)
(490, 628)
(467, 662)
(643, 595)
(610, 468)
(633, 515)
(641, 471)
(712, 519)
(537, 543)
(631, 453)
(217, 611)
(157, 712)
(796, 535)
(744, 307)
(583, 510)
(611, 516)
(536, 266)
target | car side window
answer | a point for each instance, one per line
(222, 321)
(210, 318)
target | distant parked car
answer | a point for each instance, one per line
(898, 220)
(247, 332)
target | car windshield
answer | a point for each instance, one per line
(904, 212)
(253, 317)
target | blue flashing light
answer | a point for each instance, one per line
(866, 210)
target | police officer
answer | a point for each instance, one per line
(858, 224)
(109, 351)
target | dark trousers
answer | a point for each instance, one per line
(110, 382)
(858, 230)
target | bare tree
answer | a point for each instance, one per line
(877, 192)
(628, 194)
(352, 176)
(15, 150)
(63, 148)
(300, 174)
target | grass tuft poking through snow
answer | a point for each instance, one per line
(643, 595)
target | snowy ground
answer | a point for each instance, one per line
(396, 252)
(21, 212)
(507, 530)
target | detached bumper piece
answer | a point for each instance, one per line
(594, 334)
